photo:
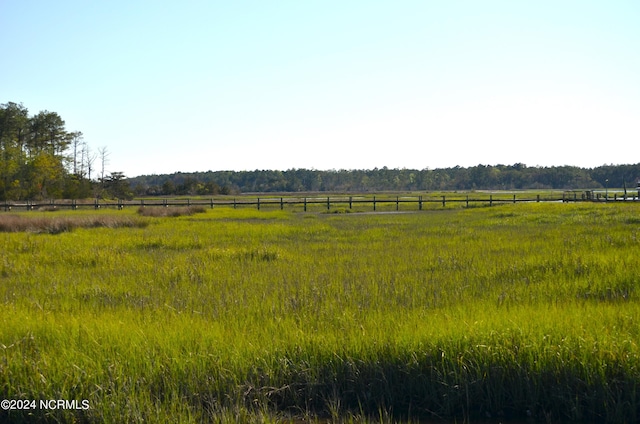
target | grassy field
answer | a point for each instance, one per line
(518, 311)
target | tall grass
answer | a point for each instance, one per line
(524, 311)
(172, 211)
(38, 222)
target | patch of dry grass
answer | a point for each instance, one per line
(13, 223)
(171, 211)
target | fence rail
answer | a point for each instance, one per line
(359, 202)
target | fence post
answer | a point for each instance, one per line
(188, 202)
(467, 200)
(96, 205)
(374, 203)
(444, 201)
(514, 198)
(212, 203)
(350, 202)
(538, 198)
(328, 204)
(491, 200)
(420, 203)
(234, 203)
(258, 203)
(397, 203)
(305, 204)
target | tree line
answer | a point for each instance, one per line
(481, 177)
(40, 159)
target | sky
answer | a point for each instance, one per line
(215, 85)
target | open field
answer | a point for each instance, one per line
(518, 311)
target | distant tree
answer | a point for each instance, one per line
(76, 145)
(116, 185)
(46, 173)
(76, 187)
(14, 127)
(187, 187)
(47, 134)
(168, 187)
(103, 154)
(38, 156)
(88, 159)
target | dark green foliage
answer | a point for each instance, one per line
(40, 159)
(115, 185)
(481, 177)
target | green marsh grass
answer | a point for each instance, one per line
(525, 311)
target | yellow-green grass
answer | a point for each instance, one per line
(515, 311)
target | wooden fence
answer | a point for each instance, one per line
(317, 203)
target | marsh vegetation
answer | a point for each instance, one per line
(523, 311)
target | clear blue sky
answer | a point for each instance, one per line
(242, 85)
